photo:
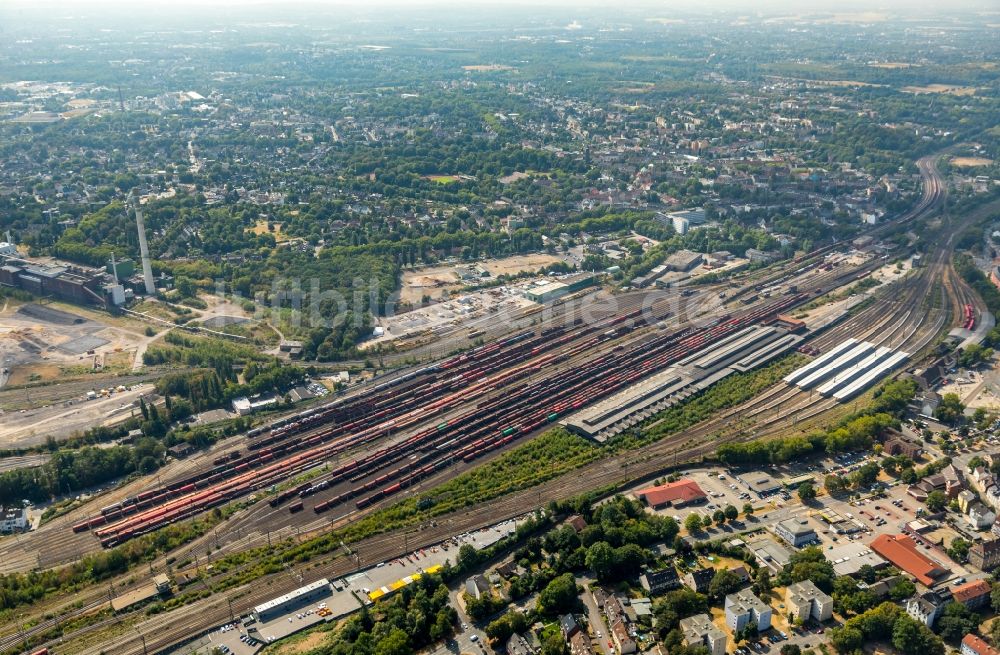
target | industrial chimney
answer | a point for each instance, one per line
(147, 269)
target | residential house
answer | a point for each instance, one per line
(973, 594)
(623, 641)
(699, 630)
(980, 516)
(660, 582)
(965, 499)
(985, 555)
(477, 586)
(743, 607)
(518, 645)
(925, 608)
(568, 626)
(974, 645)
(806, 601)
(579, 644)
(741, 573)
(699, 579)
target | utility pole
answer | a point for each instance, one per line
(144, 651)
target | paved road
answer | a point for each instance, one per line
(595, 617)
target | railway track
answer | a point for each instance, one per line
(517, 501)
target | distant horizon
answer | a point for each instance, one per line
(693, 6)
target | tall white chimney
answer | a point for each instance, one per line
(147, 269)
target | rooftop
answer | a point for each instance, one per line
(969, 590)
(684, 490)
(977, 645)
(902, 552)
(745, 601)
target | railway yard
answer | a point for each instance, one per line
(597, 368)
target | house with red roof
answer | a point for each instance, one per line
(973, 594)
(974, 645)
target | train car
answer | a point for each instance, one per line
(295, 507)
(82, 526)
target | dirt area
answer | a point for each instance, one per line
(971, 161)
(976, 389)
(40, 342)
(27, 428)
(892, 64)
(262, 228)
(517, 264)
(304, 644)
(941, 88)
(436, 282)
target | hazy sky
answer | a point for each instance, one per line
(796, 6)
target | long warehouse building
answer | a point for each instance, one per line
(741, 351)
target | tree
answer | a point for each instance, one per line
(748, 509)
(834, 484)
(559, 596)
(554, 645)
(676, 605)
(936, 501)
(731, 512)
(468, 557)
(995, 597)
(692, 523)
(958, 550)
(719, 516)
(950, 410)
(601, 560)
(397, 642)
(724, 582)
(902, 589)
(911, 636)
(956, 621)
(791, 649)
(866, 475)
(806, 492)
(762, 585)
(846, 639)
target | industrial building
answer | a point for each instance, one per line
(769, 553)
(292, 600)
(850, 557)
(847, 370)
(902, 552)
(795, 532)
(551, 290)
(742, 351)
(683, 260)
(13, 519)
(76, 284)
(673, 494)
